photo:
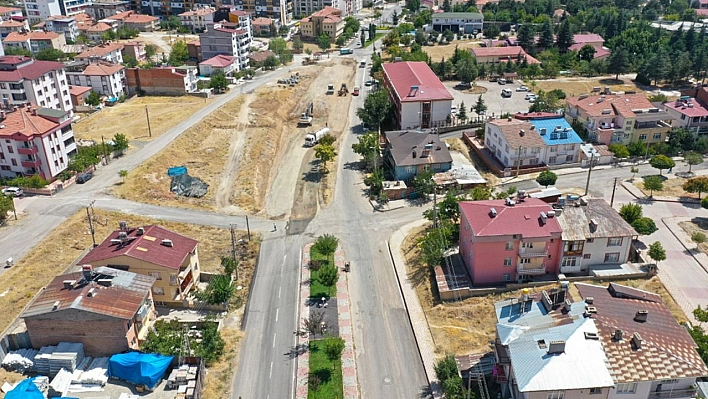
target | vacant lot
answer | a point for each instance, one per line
(440, 51)
(468, 326)
(130, 119)
(577, 86)
(68, 241)
(672, 188)
(201, 149)
(696, 225)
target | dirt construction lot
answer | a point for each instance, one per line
(467, 327)
(438, 52)
(265, 166)
(130, 119)
(577, 86)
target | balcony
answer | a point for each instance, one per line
(676, 393)
(28, 163)
(530, 272)
(28, 150)
(533, 252)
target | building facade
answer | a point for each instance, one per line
(197, 19)
(225, 64)
(39, 10)
(408, 153)
(34, 41)
(624, 119)
(328, 21)
(66, 26)
(218, 40)
(8, 26)
(109, 311)
(36, 141)
(419, 98)
(458, 22)
(281, 10)
(494, 55)
(515, 143)
(135, 50)
(105, 78)
(162, 81)
(688, 113)
(100, 9)
(43, 83)
(509, 240)
(109, 52)
(171, 258)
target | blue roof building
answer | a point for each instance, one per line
(562, 142)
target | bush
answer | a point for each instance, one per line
(704, 203)
(328, 275)
(558, 93)
(326, 244)
(315, 264)
(34, 181)
(333, 348)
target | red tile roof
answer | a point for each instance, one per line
(23, 122)
(82, 17)
(147, 247)
(99, 27)
(616, 104)
(262, 21)
(404, 75)
(33, 35)
(696, 109)
(219, 61)
(9, 23)
(139, 19)
(522, 218)
(121, 16)
(25, 70)
(702, 11)
(5, 10)
(102, 69)
(239, 13)
(588, 38)
(78, 90)
(100, 51)
(197, 12)
(327, 11)
(511, 52)
(599, 51)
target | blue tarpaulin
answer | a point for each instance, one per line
(25, 390)
(139, 368)
(177, 171)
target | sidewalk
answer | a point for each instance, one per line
(421, 330)
(349, 373)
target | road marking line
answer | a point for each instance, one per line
(271, 370)
(279, 289)
(277, 312)
(274, 339)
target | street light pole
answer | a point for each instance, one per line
(518, 162)
(587, 185)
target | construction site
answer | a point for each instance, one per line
(251, 151)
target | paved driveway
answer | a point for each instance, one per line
(496, 104)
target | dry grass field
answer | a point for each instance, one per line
(468, 326)
(438, 52)
(577, 86)
(129, 118)
(672, 188)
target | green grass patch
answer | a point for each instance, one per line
(329, 373)
(317, 289)
(378, 36)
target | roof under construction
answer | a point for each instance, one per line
(106, 291)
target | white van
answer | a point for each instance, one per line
(506, 93)
(362, 64)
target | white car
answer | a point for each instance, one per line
(530, 96)
(13, 191)
(532, 100)
(453, 110)
(522, 88)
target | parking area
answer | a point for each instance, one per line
(496, 104)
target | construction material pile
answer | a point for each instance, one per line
(188, 186)
(51, 359)
(91, 372)
(21, 360)
(60, 384)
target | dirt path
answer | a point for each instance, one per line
(226, 182)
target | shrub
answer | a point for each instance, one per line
(326, 244)
(34, 181)
(328, 275)
(333, 348)
(315, 264)
(704, 203)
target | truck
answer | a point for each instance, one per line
(313, 138)
(362, 63)
(330, 89)
(306, 117)
(345, 51)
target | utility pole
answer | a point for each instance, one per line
(103, 150)
(147, 114)
(587, 185)
(518, 162)
(248, 229)
(614, 187)
(90, 222)
(14, 212)
(233, 248)
(435, 207)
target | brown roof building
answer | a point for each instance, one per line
(410, 152)
(107, 310)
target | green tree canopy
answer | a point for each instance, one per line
(547, 178)
(323, 42)
(653, 183)
(657, 252)
(367, 146)
(692, 158)
(619, 62)
(630, 212)
(480, 107)
(644, 226)
(218, 82)
(179, 54)
(120, 143)
(325, 153)
(377, 108)
(619, 150)
(93, 98)
(696, 185)
(662, 162)
(50, 54)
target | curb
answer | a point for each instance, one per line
(655, 199)
(303, 360)
(683, 244)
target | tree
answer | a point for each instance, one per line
(634, 171)
(692, 158)
(657, 252)
(525, 37)
(662, 162)
(565, 38)
(631, 212)
(636, 149)
(394, 18)
(435, 242)
(312, 324)
(448, 208)
(123, 174)
(326, 244)
(481, 193)
(446, 371)
(179, 54)
(367, 146)
(120, 144)
(333, 348)
(547, 178)
(480, 107)
(6, 205)
(423, 182)
(229, 264)
(587, 52)
(377, 108)
(150, 51)
(50, 54)
(93, 98)
(328, 275)
(323, 42)
(218, 82)
(653, 183)
(696, 185)
(462, 112)
(644, 226)
(546, 39)
(619, 150)
(619, 62)
(314, 382)
(413, 5)
(325, 153)
(18, 51)
(271, 62)
(372, 32)
(448, 35)
(545, 102)
(699, 238)
(219, 290)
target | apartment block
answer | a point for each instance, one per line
(218, 40)
(109, 52)
(328, 20)
(39, 10)
(8, 26)
(105, 78)
(35, 141)
(42, 83)
(280, 10)
(34, 41)
(197, 19)
(100, 9)
(66, 26)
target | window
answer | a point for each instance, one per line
(569, 147)
(509, 246)
(573, 246)
(157, 275)
(569, 262)
(130, 324)
(173, 279)
(586, 256)
(595, 391)
(627, 387)
(410, 169)
(158, 291)
(642, 137)
(614, 241)
(526, 245)
(612, 257)
(590, 240)
(506, 277)
(525, 261)
(14, 162)
(553, 148)
(551, 159)
(507, 262)
(555, 395)
(657, 136)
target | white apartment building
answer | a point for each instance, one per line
(514, 142)
(197, 19)
(67, 26)
(218, 40)
(110, 52)
(39, 10)
(105, 78)
(43, 83)
(9, 12)
(35, 141)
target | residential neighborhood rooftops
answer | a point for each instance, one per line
(538, 364)
(587, 38)
(100, 51)
(99, 27)
(26, 122)
(260, 56)
(107, 291)
(666, 350)
(524, 218)
(555, 131)
(597, 219)
(139, 19)
(508, 51)
(16, 68)
(262, 21)
(518, 133)
(6, 10)
(458, 15)
(415, 81)
(33, 35)
(147, 247)
(410, 148)
(599, 50)
(78, 90)
(11, 23)
(102, 68)
(690, 108)
(612, 104)
(198, 12)
(220, 60)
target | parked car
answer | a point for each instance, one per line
(529, 96)
(506, 93)
(84, 177)
(463, 85)
(532, 100)
(13, 191)
(522, 88)
(355, 92)
(453, 110)
(501, 81)
(368, 82)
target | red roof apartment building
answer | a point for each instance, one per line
(43, 83)
(35, 141)
(491, 55)
(509, 240)
(420, 100)
(107, 310)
